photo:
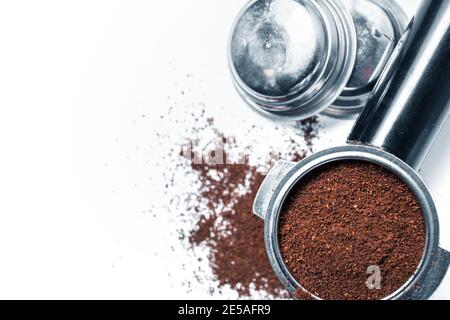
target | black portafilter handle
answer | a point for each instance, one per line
(411, 101)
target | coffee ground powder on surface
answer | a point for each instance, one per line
(234, 235)
(344, 218)
(228, 228)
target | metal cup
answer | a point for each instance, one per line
(291, 59)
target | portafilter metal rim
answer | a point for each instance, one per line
(434, 262)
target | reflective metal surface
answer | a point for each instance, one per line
(290, 59)
(379, 26)
(411, 102)
(278, 47)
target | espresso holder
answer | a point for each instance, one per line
(405, 113)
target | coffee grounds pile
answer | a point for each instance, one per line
(229, 229)
(344, 218)
(234, 235)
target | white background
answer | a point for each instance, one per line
(78, 174)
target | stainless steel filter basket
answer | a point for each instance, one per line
(407, 109)
(291, 59)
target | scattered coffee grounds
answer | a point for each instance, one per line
(308, 128)
(234, 236)
(345, 218)
(215, 237)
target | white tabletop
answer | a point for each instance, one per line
(82, 87)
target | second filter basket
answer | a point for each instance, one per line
(291, 59)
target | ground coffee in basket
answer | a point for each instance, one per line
(345, 225)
